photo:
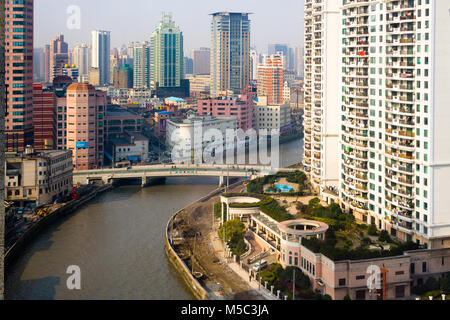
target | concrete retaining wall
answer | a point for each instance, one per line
(194, 285)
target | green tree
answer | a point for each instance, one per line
(232, 228)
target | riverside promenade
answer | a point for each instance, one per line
(193, 247)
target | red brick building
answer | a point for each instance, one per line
(44, 103)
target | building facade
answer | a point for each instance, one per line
(166, 55)
(81, 57)
(141, 68)
(38, 178)
(44, 111)
(59, 56)
(272, 116)
(322, 102)
(230, 52)
(201, 59)
(85, 125)
(100, 60)
(239, 107)
(395, 142)
(19, 74)
(270, 79)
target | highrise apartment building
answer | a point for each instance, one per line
(322, 101)
(270, 79)
(141, 70)
(230, 52)
(100, 48)
(81, 58)
(19, 74)
(166, 55)
(59, 56)
(85, 125)
(395, 138)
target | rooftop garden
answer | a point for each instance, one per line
(267, 205)
(347, 240)
(297, 177)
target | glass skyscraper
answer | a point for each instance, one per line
(166, 55)
(230, 52)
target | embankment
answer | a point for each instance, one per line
(17, 248)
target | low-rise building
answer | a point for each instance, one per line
(128, 147)
(272, 117)
(34, 179)
(239, 107)
(181, 131)
(339, 278)
(119, 120)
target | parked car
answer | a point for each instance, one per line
(259, 266)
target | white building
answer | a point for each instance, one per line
(185, 132)
(38, 178)
(271, 117)
(100, 54)
(81, 57)
(130, 146)
(322, 92)
(395, 139)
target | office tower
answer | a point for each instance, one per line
(290, 59)
(166, 56)
(44, 105)
(47, 63)
(299, 61)
(141, 69)
(38, 64)
(230, 52)
(123, 77)
(85, 110)
(19, 75)
(322, 100)
(254, 62)
(395, 138)
(100, 55)
(113, 65)
(59, 56)
(201, 59)
(188, 64)
(271, 79)
(81, 58)
(2, 147)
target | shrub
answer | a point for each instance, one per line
(347, 297)
(384, 236)
(372, 230)
(218, 209)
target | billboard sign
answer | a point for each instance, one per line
(82, 145)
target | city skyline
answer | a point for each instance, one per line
(193, 20)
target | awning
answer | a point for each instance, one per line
(132, 158)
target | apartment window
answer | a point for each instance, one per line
(424, 266)
(342, 282)
(362, 277)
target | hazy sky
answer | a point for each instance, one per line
(272, 21)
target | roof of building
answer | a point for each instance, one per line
(175, 99)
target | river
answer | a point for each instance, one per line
(117, 241)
